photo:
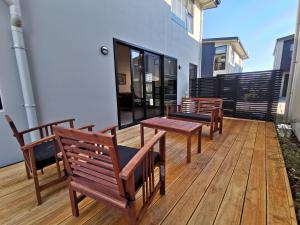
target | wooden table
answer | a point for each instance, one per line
(177, 126)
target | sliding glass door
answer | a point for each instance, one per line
(139, 83)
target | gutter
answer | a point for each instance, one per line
(22, 63)
(287, 113)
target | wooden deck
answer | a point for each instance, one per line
(239, 178)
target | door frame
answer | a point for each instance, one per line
(142, 50)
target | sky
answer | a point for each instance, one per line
(258, 23)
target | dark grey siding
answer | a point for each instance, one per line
(286, 55)
(207, 62)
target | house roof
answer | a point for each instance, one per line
(286, 38)
(234, 41)
(208, 4)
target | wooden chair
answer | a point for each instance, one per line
(110, 173)
(41, 153)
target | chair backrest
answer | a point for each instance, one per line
(189, 105)
(15, 131)
(91, 157)
(202, 103)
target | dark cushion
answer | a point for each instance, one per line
(192, 116)
(126, 154)
(44, 154)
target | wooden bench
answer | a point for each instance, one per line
(207, 111)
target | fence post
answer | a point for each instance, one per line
(236, 81)
(268, 116)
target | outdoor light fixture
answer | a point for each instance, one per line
(104, 50)
(179, 67)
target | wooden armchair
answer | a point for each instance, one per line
(110, 173)
(208, 111)
(41, 153)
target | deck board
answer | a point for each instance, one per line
(239, 178)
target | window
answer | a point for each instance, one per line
(190, 16)
(184, 11)
(220, 57)
(193, 71)
(292, 47)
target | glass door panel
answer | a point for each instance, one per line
(153, 98)
(170, 80)
(137, 88)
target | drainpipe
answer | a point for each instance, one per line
(292, 70)
(22, 63)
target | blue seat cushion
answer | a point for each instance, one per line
(45, 154)
(126, 154)
(191, 116)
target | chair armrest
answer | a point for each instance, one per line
(110, 128)
(129, 169)
(71, 121)
(89, 127)
(38, 142)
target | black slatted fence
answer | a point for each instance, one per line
(252, 95)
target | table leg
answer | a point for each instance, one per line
(199, 139)
(142, 135)
(189, 145)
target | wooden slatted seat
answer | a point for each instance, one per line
(106, 172)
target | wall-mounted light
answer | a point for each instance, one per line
(179, 67)
(104, 50)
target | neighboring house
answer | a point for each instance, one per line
(102, 62)
(222, 56)
(282, 59)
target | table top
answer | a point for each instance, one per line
(171, 125)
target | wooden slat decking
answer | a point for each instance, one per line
(239, 178)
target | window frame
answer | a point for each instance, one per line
(220, 55)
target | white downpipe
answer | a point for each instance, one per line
(287, 113)
(22, 63)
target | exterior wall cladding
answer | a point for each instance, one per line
(70, 77)
(207, 63)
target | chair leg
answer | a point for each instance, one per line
(131, 214)
(27, 171)
(58, 167)
(211, 134)
(74, 202)
(37, 186)
(162, 179)
(221, 126)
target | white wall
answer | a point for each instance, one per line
(10, 89)
(278, 55)
(294, 110)
(70, 77)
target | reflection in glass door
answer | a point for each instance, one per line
(139, 84)
(153, 98)
(137, 89)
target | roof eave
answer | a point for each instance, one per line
(209, 4)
